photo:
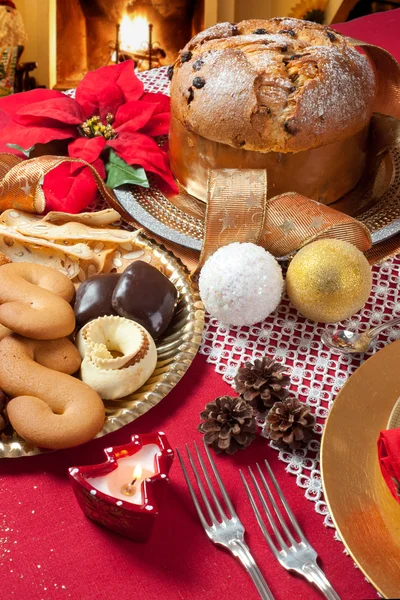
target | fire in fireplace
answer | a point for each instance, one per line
(134, 40)
(92, 25)
(133, 33)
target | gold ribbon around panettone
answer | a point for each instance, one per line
(238, 210)
(237, 205)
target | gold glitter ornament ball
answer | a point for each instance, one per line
(328, 281)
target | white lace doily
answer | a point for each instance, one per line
(317, 373)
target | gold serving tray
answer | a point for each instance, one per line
(362, 508)
(176, 351)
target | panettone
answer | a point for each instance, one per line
(289, 96)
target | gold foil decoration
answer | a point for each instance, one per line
(292, 221)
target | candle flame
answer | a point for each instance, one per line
(137, 472)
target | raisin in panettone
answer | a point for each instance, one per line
(289, 96)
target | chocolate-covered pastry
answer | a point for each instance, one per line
(146, 296)
(93, 298)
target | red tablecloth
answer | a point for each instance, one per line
(49, 550)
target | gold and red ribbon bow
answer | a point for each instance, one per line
(21, 181)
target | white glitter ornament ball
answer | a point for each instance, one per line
(241, 284)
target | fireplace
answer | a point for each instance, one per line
(87, 33)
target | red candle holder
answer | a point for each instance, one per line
(131, 520)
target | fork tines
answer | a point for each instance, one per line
(275, 507)
(222, 489)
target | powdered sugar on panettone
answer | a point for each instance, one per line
(266, 39)
(281, 85)
(222, 67)
(338, 91)
(226, 84)
(218, 31)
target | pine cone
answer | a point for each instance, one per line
(289, 424)
(229, 424)
(262, 383)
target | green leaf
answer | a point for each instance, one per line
(119, 173)
(27, 152)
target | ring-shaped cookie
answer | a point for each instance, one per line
(118, 354)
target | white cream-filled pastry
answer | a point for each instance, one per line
(118, 355)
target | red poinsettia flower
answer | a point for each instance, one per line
(110, 115)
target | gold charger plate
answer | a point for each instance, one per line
(176, 350)
(362, 508)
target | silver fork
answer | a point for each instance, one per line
(227, 532)
(294, 555)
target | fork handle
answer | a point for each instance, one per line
(318, 577)
(242, 552)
